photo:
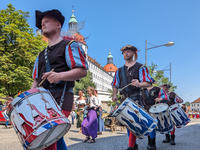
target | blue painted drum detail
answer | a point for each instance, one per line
(137, 120)
(179, 117)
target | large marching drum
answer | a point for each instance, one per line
(137, 120)
(179, 117)
(162, 113)
(37, 119)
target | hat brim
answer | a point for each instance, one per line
(39, 16)
(54, 13)
(167, 85)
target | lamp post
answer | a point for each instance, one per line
(167, 44)
(166, 70)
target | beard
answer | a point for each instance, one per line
(127, 58)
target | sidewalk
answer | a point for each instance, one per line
(187, 138)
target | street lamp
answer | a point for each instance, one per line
(165, 70)
(167, 44)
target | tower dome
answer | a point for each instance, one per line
(110, 67)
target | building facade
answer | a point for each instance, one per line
(195, 105)
(101, 77)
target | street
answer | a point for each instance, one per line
(187, 138)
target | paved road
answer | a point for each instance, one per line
(187, 138)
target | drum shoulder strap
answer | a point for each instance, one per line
(124, 79)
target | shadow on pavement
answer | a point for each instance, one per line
(106, 143)
(75, 139)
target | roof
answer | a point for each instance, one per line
(72, 18)
(94, 61)
(110, 68)
(77, 37)
(197, 100)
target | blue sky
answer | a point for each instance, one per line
(112, 24)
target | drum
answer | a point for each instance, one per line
(137, 120)
(73, 114)
(37, 119)
(162, 114)
(4, 113)
(179, 117)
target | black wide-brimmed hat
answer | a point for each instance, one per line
(167, 85)
(54, 13)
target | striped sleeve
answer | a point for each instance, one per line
(116, 81)
(177, 99)
(163, 94)
(144, 75)
(75, 56)
(35, 69)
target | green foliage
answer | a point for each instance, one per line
(18, 50)
(84, 83)
(159, 77)
(187, 104)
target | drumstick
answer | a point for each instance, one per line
(124, 87)
(45, 78)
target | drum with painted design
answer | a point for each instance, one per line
(73, 114)
(137, 120)
(37, 119)
(162, 114)
(179, 117)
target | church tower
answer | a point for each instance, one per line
(73, 22)
(110, 67)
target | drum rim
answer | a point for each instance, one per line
(120, 106)
(24, 98)
(54, 140)
(174, 105)
(161, 111)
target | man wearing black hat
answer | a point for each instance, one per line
(61, 63)
(134, 73)
(172, 99)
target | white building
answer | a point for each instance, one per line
(101, 77)
(195, 105)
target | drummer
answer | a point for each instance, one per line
(134, 73)
(172, 99)
(149, 96)
(68, 61)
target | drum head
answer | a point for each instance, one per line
(174, 106)
(157, 108)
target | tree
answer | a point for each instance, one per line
(159, 77)
(84, 83)
(18, 50)
(187, 104)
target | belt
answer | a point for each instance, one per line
(60, 89)
(133, 96)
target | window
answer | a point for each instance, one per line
(197, 104)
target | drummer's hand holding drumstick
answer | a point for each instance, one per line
(135, 82)
(52, 77)
(158, 99)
